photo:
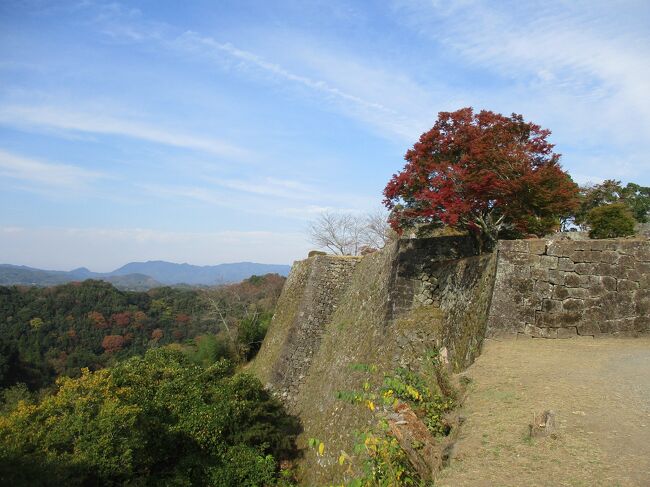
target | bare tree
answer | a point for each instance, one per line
(346, 234)
(336, 231)
(377, 230)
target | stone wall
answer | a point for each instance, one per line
(387, 309)
(317, 283)
(566, 288)
(443, 277)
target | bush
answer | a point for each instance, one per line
(157, 420)
(610, 221)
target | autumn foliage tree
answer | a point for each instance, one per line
(483, 172)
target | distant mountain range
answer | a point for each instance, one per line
(143, 275)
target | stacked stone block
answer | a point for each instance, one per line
(566, 288)
(327, 278)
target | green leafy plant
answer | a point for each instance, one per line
(152, 420)
(430, 395)
(610, 221)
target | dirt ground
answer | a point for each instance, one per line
(600, 391)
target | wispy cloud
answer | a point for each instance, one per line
(587, 50)
(46, 174)
(188, 193)
(269, 186)
(57, 118)
(191, 41)
(392, 104)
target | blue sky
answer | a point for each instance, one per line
(213, 132)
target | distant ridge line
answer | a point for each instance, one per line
(143, 275)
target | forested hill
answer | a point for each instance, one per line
(141, 276)
(47, 332)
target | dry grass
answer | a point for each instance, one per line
(600, 390)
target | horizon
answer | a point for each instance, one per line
(143, 130)
(141, 262)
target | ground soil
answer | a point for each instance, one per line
(600, 392)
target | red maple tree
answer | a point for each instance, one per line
(484, 172)
(113, 343)
(121, 319)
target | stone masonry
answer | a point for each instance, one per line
(565, 288)
(325, 281)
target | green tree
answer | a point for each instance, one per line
(638, 199)
(635, 197)
(610, 221)
(153, 420)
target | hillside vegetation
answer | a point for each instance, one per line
(56, 331)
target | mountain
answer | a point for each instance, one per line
(169, 273)
(20, 274)
(138, 276)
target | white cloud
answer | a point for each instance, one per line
(392, 104)
(57, 118)
(46, 174)
(593, 53)
(192, 41)
(269, 186)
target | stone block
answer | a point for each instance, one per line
(593, 314)
(556, 277)
(542, 290)
(609, 283)
(539, 274)
(598, 245)
(632, 274)
(625, 305)
(625, 285)
(565, 264)
(642, 302)
(595, 287)
(643, 253)
(540, 332)
(569, 318)
(573, 304)
(522, 285)
(642, 324)
(626, 261)
(513, 246)
(548, 262)
(585, 268)
(602, 269)
(560, 292)
(537, 247)
(610, 327)
(571, 279)
(588, 328)
(568, 332)
(627, 247)
(578, 292)
(579, 256)
(643, 267)
(581, 244)
(551, 306)
(609, 257)
(644, 281)
(560, 249)
(516, 258)
(521, 271)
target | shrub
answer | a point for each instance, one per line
(157, 420)
(610, 221)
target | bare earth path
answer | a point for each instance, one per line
(600, 391)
